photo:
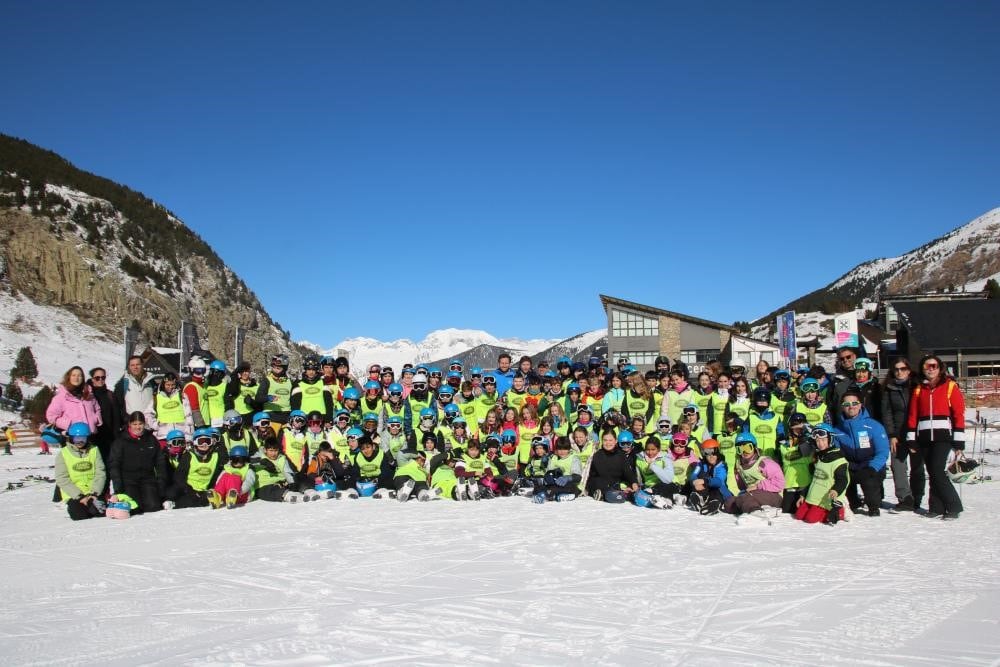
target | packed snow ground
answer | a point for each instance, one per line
(500, 581)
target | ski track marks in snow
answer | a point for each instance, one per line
(497, 582)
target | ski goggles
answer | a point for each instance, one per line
(850, 404)
(198, 371)
(820, 433)
(711, 451)
(746, 448)
(343, 418)
(420, 386)
(387, 370)
(393, 424)
(455, 367)
(489, 379)
(690, 410)
(298, 420)
(437, 374)
(203, 441)
(315, 422)
(863, 365)
(79, 440)
(263, 423)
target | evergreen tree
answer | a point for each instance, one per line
(34, 407)
(25, 366)
(13, 393)
(992, 289)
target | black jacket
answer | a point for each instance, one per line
(134, 460)
(110, 426)
(895, 408)
(609, 469)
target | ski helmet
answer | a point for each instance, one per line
(428, 413)
(352, 394)
(762, 395)
(370, 417)
(508, 436)
(395, 389)
(626, 439)
(261, 417)
(231, 418)
(809, 384)
(371, 385)
(78, 430)
(451, 410)
(311, 363)
(217, 366)
(540, 441)
(446, 390)
(394, 419)
(354, 432)
(239, 452)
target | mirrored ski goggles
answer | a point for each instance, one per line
(79, 439)
(203, 441)
(745, 448)
(437, 374)
(690, 410)
(862, 365)
(315, 422)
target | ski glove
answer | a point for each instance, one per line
(563, 480)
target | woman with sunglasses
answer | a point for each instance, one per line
(935, 427)
(866, 447)
(896, 392)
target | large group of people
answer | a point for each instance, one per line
(807, 442)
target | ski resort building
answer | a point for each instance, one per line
(641, 333)
(964, 333)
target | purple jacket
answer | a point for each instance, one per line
(66, 409)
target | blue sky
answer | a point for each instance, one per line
(385, 169)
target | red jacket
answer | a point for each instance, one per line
(937, 415)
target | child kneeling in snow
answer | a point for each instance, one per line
(824, 499)
(708, 480)
(275, 479)
(235, 484)
(563, 474)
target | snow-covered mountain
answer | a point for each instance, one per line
(965, 257)
(437, 345)
(107, 257)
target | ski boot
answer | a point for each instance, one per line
(231, 498)
(404, 492)
(429, 494)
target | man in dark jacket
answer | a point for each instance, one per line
(609, 469)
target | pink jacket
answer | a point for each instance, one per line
(774, 478)
(66, 409)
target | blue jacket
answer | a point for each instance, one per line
(864, 442)
(714, 476)
(504, 380)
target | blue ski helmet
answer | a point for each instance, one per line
(354, 432)
(626, 439)
(78, 430)
(217, 366)
(371, 385)
(352, 394)
(509, 436)
(395, 389)
(451, 410)
(428, 413)
(260, 417)
(239, 451)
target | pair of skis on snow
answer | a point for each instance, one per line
(28, 480)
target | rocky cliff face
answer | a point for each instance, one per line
(79, 252)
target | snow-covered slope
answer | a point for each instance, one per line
(501, 581)
(965, 257)
(440, 344)
(57, 339)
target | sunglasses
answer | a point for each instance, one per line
(847, 357)
(900, 369)
(850, 404)
(102, 378)
(928, 367)
(710, 452)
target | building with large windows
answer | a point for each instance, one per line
(641, 333)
